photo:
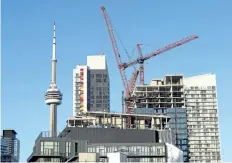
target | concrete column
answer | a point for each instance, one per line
(152, 123)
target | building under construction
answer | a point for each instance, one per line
(166, 93)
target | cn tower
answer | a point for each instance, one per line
(53, 96)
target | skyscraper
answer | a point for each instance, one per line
(91, 86)
(192, 105)
(202, 116)
(10, 146)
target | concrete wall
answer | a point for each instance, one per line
(200, 80)
(108, 135)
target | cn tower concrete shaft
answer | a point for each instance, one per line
(53, 120)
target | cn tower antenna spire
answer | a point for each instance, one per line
(54, 42)
(54, 57)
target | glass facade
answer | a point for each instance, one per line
(48, 160)
(52, 148)
(99, 90)
(143, 153)
(177, 123)
(3, 146)
(10, 149)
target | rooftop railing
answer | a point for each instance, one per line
(47, 134)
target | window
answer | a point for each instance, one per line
(68, 148)
(98, 97)
(105, 76)
(98, 101)
(98, 76)
(184, 141)
(98, 80)
(49, 148)
(98, 105)
(47, 160)
(41, 147)
(184, 147)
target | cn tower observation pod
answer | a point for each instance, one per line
(53, 96)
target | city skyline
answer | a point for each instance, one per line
(31, 85)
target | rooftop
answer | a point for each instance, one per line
(10, 130)
(117, 114)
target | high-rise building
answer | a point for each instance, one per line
(91, 86)
(202, 116)
(192, 105)
(10, 146)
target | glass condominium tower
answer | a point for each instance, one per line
(10, 146)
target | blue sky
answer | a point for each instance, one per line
(27, 29)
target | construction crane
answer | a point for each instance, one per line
(128, 87)
(140, 60)
(129, 100)
(115, 47)
(141, 64)
(129, 106)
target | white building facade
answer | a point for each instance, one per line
(202, 116)
(91, 86)
(80, 88)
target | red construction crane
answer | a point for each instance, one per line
(115, 47)
(128, 87)
(132, 84)
(141, 64)
(122, 66)
(141, 59)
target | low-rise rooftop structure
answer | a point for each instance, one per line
(118, 120)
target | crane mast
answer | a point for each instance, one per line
(115, 47)
(129, 105)
(141, 65)
(132, 84)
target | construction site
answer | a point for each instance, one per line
(152, 126)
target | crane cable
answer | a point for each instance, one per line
(127, 54)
